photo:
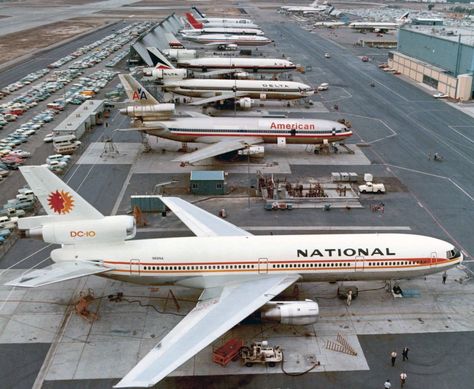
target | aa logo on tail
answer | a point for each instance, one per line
(61, 202)
(139, 94)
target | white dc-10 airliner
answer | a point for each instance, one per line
(238, 273)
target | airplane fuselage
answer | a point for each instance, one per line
(256, 89)
(264, 65)
(241, 40)
(212, 130)
(224, 30)
(202, 261)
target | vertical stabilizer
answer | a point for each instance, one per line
(136, 93)
(404, 17)
(193, 22)
(56, 197)
(201, 15)
(159, 60)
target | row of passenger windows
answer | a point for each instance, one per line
(253, 131)
(300, 265)
(277, 266)
(395, 263)
(202, 267)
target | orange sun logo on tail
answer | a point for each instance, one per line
(61, 202)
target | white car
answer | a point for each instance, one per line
(55, 166)
(58, 158)
(48, 138)
(440, 95)
(21, 153)
(327, 55)
(323, 86)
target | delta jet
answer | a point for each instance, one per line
(380, 26)
(220, 134)
(199, 28)
(212, 91)
(238, 273)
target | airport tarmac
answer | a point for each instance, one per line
(43, 344)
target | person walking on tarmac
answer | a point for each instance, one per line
(393, 356)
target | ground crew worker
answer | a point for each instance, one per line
(349, 298)
(405, 353)
(445, 276)
(387, 384)
(394, 357)
(403, 378)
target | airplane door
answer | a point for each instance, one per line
(262, 265)
(359, 263)
(434, 258)
(134, 267)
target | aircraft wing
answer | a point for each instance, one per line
(218, 310)
(200, 222)
(218, 148)
(221, 97)
(219, 72)
(59, 271)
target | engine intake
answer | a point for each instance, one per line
(291, 312)
(160, 111)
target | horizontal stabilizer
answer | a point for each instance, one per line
(200, 222)
(61, 271)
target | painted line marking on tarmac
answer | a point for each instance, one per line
(437, 176)
(294, 228)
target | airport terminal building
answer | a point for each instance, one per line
(442, 58)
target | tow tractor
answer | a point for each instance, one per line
(261, 352)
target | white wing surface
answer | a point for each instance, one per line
(218, 310)
(61, 271)
(218, 148)
(219, 72)
(223, 96)
(200, 222)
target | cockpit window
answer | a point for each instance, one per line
(454, 253)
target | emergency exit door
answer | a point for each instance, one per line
(134, 267)
(263, 265)
(359, 263)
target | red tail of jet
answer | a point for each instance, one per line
(194, 23)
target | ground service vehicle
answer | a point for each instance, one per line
(370, 187)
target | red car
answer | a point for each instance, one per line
(12, 159)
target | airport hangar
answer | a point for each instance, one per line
(439, 57)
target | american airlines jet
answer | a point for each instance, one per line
(238, 273)
(222, 135)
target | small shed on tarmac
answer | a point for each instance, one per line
(207, 182)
